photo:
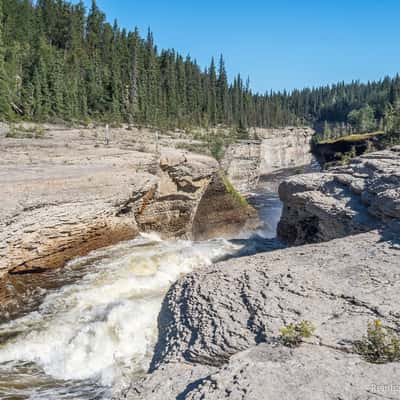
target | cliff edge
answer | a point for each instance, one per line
(67, 194)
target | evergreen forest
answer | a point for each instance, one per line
(61, 62)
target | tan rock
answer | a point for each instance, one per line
(66, 195)
(275, 149)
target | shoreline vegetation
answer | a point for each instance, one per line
(340, 150)
(354, 137)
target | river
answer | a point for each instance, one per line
(95, 326)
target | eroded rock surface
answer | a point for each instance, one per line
(267, 372)
(345, 200)
(274, 149)
(242, 162)
(213, 317)
(284, 148)
(67, 194)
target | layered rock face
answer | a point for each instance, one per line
(275, 149)
(191, 200)
(345, 200)
(219, 328)
(242, 162)
(284, 148)
(63, 218)
(63, 197)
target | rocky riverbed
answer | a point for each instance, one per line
(218, 327)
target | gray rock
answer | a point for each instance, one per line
(343, 201)
(65, 195)
(211, 317)
(219, 327)
(265, 372)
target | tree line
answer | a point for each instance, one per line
(61, 62)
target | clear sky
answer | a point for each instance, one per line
(279, 44)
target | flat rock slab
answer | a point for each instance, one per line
(227, 318)
(274, 373)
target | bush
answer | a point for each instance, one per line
(19, 132)
(236, 196)
(293, 334)
(217, 147)
(380, 345)
(12, 132)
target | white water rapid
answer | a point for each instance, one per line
(87, 335)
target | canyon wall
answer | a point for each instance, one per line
(274, 149)
(284, 148)
(66, 195)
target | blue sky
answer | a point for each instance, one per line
(279, 44)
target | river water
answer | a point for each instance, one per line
(94, 330)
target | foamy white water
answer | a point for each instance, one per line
(104, 325)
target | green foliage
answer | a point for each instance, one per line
(217, 147)
(327, 133)
(19, 132)
(380, 345)
(355, 137)
(5, 100)
(232, 191)
(293, 334)
(363, 120)
(58, 62)
(391, 122)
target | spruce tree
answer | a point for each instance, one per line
(5, 106)
(212, 93)
(56, 61)
(222, 99)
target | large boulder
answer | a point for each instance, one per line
(358, 197)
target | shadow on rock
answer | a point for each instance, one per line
(253, 245)
(391, 234)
